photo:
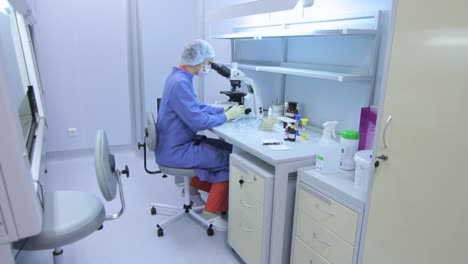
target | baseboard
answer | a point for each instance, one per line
(80, 153)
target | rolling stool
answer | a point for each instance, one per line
(175, 212)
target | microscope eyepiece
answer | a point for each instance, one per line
(221, 69)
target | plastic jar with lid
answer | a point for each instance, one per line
(349, 142)
(362, 174)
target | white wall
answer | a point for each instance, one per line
(214, 83)
(165, 26)
(82, 56)
(86, 58)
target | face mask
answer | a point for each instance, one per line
(203, 72)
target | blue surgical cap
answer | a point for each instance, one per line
(196, 52)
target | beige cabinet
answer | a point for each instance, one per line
(329, 213)
(306, 255)
(250, 206)
(325, 229)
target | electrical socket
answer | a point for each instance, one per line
(72, 132)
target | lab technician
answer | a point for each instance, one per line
(181, 116)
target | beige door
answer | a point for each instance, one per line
(419, 203)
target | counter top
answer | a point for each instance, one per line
(340, 184)
(246, 135)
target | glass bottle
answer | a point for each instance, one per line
(291, 111)
(286, 133)
(292, 133)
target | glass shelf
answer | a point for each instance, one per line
(325, 75)
(290, 33)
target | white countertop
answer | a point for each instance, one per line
(341, 184)
(246, 135)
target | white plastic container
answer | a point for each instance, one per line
(362, 175)
(349, 143)
(328, 154)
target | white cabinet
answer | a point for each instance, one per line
(250, 206)
(328, 213)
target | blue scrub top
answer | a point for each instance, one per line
(180, 117)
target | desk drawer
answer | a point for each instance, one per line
(241, 203)
(247, 181)
(324, 242)
(303, 254)
(329, 213)
(246, 228)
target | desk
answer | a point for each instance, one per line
(286, 163)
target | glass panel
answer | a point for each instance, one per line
(20, 88)
(27, 44)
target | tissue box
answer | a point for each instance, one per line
(367, 127)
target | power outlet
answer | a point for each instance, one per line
(72, 132)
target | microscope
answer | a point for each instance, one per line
(236, 78)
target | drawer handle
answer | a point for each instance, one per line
(244, 228)
(321, 241)
(248, 181)
(244, 203)
(242, 181)
(323, 211)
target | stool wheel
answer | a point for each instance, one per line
(210, 231)
(153, 210)
(160, 231)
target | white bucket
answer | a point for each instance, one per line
(362, 173)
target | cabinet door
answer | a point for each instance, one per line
(418, 207)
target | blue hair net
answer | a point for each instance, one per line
(196, 52)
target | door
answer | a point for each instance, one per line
(419, 204)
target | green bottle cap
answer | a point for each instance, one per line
(350, 134)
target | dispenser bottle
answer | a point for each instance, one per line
(328, 154)
(349, 142)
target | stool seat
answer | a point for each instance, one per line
(68, 217)
(177, 171)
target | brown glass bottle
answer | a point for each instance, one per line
(291, 111)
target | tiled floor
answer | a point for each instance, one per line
(131, 238)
